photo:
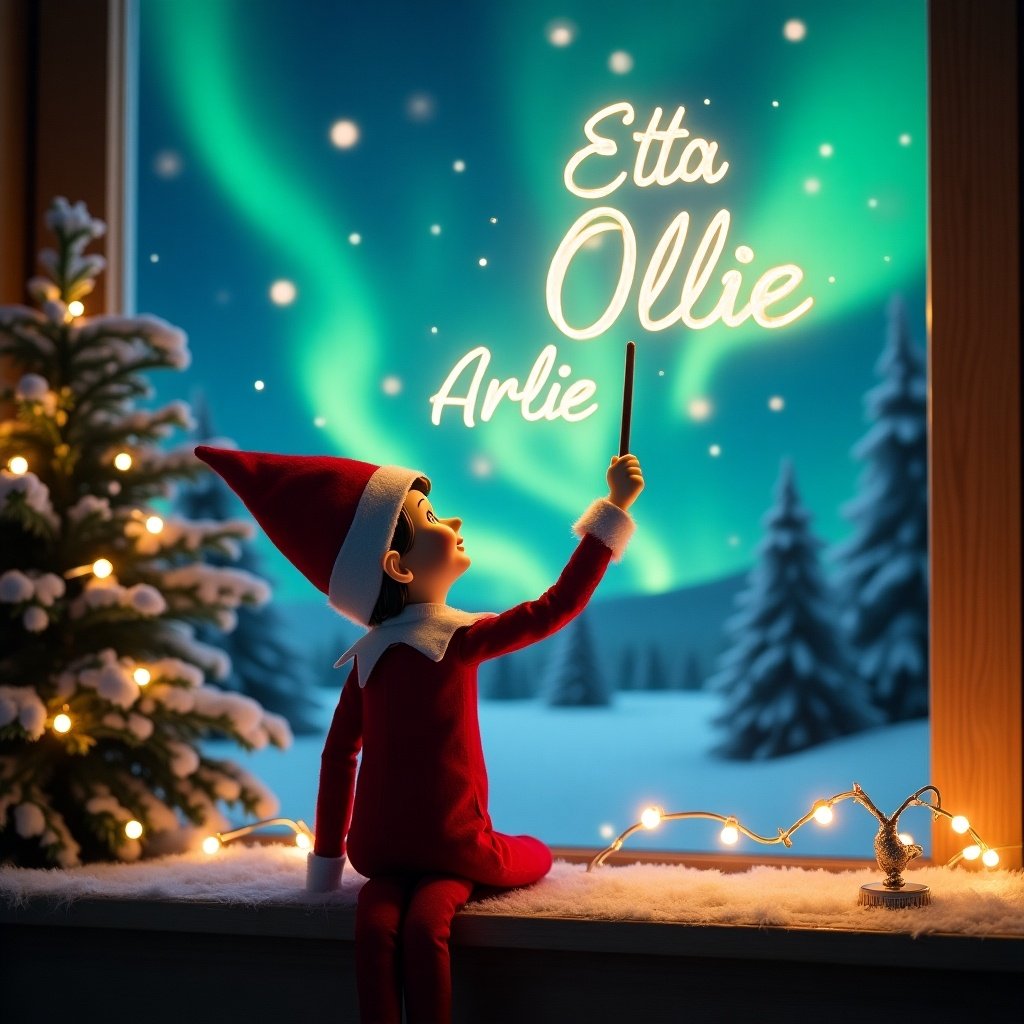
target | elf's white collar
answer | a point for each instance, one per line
(426, 627)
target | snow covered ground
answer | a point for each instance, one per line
(566, 774)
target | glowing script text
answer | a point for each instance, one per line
(555, 404)
(695, 162)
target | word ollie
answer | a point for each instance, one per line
(695, 162)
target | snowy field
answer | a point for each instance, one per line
(575, 776)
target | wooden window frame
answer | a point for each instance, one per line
(60, 57)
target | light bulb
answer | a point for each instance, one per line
(154, 524)
(133, 829)
(960, 824)
(123, 461)
(18, 465)
(302, 841)
(730, 834)
(651, 817)
(906, 839)
(102, 568)
(990, 858)
(972, 852)
(823, 814)
(141, 676)
(62, 723)
(211, 844)
(75, 308)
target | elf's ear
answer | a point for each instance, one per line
(391, 563)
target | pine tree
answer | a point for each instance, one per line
(785, 676)
(655, 675)
(574, 677)
(103, 698)
(262, 664)
(627, 674)
(505, 680)
(692, 678)
(883, 568)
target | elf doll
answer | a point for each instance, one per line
(416, 826)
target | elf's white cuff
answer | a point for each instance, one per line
(610, 524)
(323, 874)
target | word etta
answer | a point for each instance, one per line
(555, 404)
(696, 160)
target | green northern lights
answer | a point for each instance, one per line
(247, 92)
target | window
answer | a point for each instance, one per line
(994, 570)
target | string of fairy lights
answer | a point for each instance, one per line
(822, 814)
(652, 817)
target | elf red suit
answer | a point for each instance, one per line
(416, 825)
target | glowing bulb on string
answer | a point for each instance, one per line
(18, 465)
(302, 841)
(122, 461)
(142, 676)
(154, 524)
(960, 824)
(133, 829)
(651, 817)
(990, 858)
(102, 568)
(62, 723)
(75, 308)
(823, 814)
(730, 834)
(972, 852)
(906, 839)
(211, 844)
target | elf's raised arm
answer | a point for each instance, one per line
(605, 529)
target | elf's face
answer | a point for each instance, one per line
(437, 557)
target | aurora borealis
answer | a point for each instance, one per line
(240, 186)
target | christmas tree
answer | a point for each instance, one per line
(883, 568)
(785, 675)
(574, 679)
(103, 692)
(262, 664)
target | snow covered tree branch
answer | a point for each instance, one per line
(105, 692)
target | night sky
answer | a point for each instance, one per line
(457, 121)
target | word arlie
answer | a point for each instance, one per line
(694, 162)
(556, 404)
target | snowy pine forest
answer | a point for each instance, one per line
(810, 645)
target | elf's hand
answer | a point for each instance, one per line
(323, 874)
(625, 480)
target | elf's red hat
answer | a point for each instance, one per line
(332, 518)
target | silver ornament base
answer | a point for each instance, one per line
(913, 894)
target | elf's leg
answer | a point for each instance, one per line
(426, 964)
(379, 911)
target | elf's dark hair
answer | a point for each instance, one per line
(394, 595)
